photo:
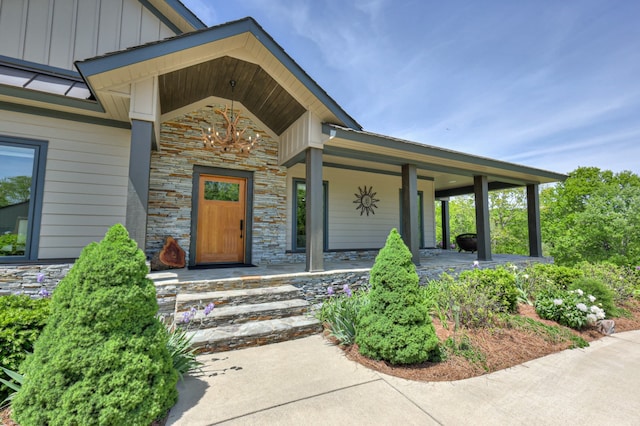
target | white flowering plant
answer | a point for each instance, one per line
(572, 308)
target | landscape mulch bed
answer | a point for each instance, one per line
(502, 348)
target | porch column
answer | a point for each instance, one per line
(314, 211)
(142, 138)
(411, 233)
(533, 213)
(446, 233)
(481, 192)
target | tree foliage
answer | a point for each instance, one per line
(14, 190)
(593, 216)
(395, 325)
(507, 215)
(102, 358)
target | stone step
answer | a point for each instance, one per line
(232, 283)
(227, 315)
(186, 301)
(254, 333)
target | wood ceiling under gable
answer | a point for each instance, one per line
(255, 89)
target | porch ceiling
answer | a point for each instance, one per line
(255, 89)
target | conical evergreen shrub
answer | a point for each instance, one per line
(102, 358)
(395, 326)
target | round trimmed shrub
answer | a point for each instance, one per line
(395, 325)
(102, 358)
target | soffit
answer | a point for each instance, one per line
(255, 89)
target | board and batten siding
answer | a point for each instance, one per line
(347, 228)
(86, 180)
(305, 132)
(59, 32)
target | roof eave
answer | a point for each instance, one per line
(418, 148)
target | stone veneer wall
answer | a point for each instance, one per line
(23, 279)
(170, 191)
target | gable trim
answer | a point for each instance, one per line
(151, 8)
(185, 13)
(149, 51)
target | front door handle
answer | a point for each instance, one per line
(241, 227)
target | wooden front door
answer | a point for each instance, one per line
(221, 219)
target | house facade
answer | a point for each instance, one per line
(104, 107)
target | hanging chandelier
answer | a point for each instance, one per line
(227, 135)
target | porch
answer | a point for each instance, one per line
(272, 303)
(432, 263)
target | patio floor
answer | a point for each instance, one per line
(437, 259)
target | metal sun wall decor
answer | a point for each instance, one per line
(366, 201)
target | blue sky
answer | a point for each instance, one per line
(544, 83)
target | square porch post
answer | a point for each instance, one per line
(481, 192)
(533, 214)
(142, 139)
(411, 233)
(314, 211)
(446, 232)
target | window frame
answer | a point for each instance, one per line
(32, 243)
(294, 216)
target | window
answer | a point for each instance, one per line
(21, 184)
(299, 243)
(221, 191)
(420, 216)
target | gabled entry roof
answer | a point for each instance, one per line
(194, 55)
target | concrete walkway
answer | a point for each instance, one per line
(309, 382)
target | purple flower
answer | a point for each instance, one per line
(44, 292)
(186, 317)
(40, 278)
(347, 290)
(330, 291)
(209, 308)
(637, 268)
(453, 246)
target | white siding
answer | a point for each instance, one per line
(86, 179)
(347, 228)
(59, 32)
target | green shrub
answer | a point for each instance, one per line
(549, 276)
(572, 308)
(340, 313)
(623, 280)
(102, 358)
(464, 302)
(497, 284)
(603, 294)
(21, 321)
(395, 325)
